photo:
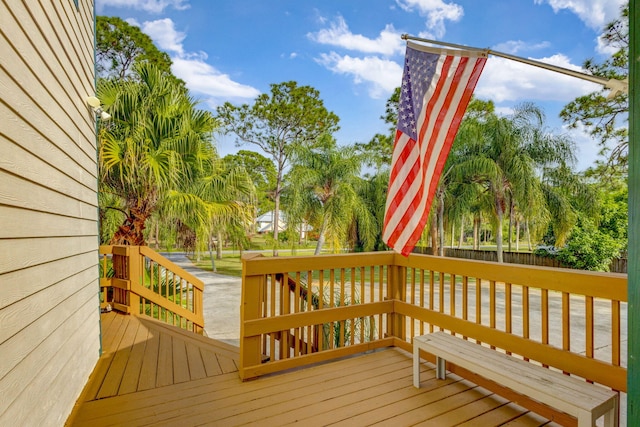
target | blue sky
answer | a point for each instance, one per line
(351, 51)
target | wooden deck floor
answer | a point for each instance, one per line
(153, 374)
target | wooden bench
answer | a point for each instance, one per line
(585, 401)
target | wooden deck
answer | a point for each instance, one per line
(154, 374)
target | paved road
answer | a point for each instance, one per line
(221, 300)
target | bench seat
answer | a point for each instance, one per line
(585, 401)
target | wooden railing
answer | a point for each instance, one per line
(569, 320)
(138, 280)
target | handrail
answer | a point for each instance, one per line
(138, 280)
(373, 300)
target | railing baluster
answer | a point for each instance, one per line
(508, 308)
(421, 298)
(566, 322)
(296, 309)
(284, 309)
(452, 295)
(272, 313)
(615, 333)
(432, 278)
(478, 303)
(380, 298)
(320, 305)
(363, 301)
(589, 320)
(353, 301)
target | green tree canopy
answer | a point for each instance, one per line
(379, 151)
(606, 117)
(155, 145)
(262, 173)
(288, 118)
(119, 46)
(323, 189)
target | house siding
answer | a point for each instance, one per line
(49, 309)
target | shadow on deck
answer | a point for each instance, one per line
(154, 374)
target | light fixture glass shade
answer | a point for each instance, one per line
(93, 101)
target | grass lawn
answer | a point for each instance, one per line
(231, 265)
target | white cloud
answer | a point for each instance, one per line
(381, 75)
(163, 32)
(436, 12)
(204, 79)
(338, 34)
(595, 13)
(605, 49)
(587, 149)
(199, 76)
(507, 80)
(151, 6)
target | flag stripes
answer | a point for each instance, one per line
(436, 89)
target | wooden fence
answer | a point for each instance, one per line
(618, 265)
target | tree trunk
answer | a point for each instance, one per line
(476, 232)
(433, 231)
(157, 234)
(131, 232)
(499, 216)
(511, 208)
(213, 262)
(276, 215)
(219, 247)
(461, 239)
(528, 233)
(320, 242)
(517, 235)
(453, 232)
(440, 223)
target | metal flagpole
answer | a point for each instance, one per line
(613, 84)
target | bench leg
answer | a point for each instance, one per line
(416, 366)
(611, 417)
(441, 372)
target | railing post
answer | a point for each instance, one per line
(397, 289)
(250, 304)
(135, 277)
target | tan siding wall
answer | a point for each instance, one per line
(49, 310)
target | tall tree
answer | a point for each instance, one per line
(262, 173)
(604, 116)
(379, 151)
(119, 46)
(288, 118)
(323, 187)
(155, 143)
(506, 158)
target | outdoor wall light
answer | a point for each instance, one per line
(94, 103)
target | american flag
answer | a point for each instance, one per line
(436, 88)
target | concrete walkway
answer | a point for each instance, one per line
(221, 300)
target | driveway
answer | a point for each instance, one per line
(221, 300)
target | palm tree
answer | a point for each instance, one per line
(322, 187)
(506, 161)
(154, 146)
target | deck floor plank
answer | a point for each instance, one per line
(102, 367)
(469, 411)
(180, 362)
(114, 376)
(195, 362)
(211, 365)
(131, 375)
(170, 377)
(164, 373)
(149, 362)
